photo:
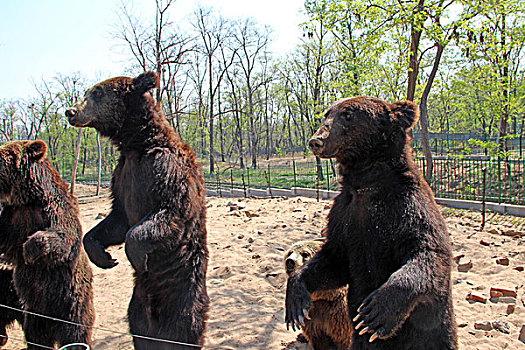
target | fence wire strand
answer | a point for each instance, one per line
(109, 331)
(27, 342)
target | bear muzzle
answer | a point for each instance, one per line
(316, 145)
(74, 119)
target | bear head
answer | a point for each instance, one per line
(360, 128)
(20, 165)
(112, 103)
(299, 253)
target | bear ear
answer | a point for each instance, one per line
(36, 150)
(145, 82)
(406, 113)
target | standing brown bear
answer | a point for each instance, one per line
(158, 210)
(386, 238)
(40, 234)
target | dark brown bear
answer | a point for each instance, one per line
(327, 325)
(158, 211)
(40, 234)
(9, 298)
(386, 238)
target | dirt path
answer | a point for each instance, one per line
(246, 279)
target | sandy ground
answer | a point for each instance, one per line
(246, 278)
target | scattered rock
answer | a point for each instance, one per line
(502, 326)
(297, 210)
(497, 292)
(513, 233)
(250, 239)
(462, 324)
(521, 336)
(315, 214)
(485, 243)
(476, 297)
(281, 249)
(503, 261)
(510, 309)
(457, 257)
(464, 264)
(256, 256)
(485, 325)
(250, 214)
(495, 231)
(503, 300)
(236, 206)
(241, 236)
(519, 268)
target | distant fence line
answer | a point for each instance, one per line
(453, 177)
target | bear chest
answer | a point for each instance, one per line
(133, 188)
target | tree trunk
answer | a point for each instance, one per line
(75, 163)
(413, 64)
(424, 114)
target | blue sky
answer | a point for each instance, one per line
(42, 38)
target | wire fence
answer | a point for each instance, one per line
(115, 332)
(453, 177)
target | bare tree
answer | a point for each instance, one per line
(252, 43)
(213, 36)
(155, 46)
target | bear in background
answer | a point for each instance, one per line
(386, 238)
(41, 236)
(327, 325)
(158, 210)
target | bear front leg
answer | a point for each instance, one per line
(386, 309)
(44, 243)
(110, 231)
(325, 270)
(142, 238)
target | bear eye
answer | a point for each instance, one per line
(97, 94)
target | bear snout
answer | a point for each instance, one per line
(290, 264)
(71, 112)
(316, 145)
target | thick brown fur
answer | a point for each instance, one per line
(158, 211)
(327, 325)
(386, 238)
(8, 297)
(40, 234)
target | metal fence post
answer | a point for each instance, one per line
(327, 177)
(294, 175)
(231, 178)
(499, 179)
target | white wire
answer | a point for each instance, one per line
(111, 331)
(27, 342)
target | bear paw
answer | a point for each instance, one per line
(380, 314)
(35, 247)
(298, 301)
